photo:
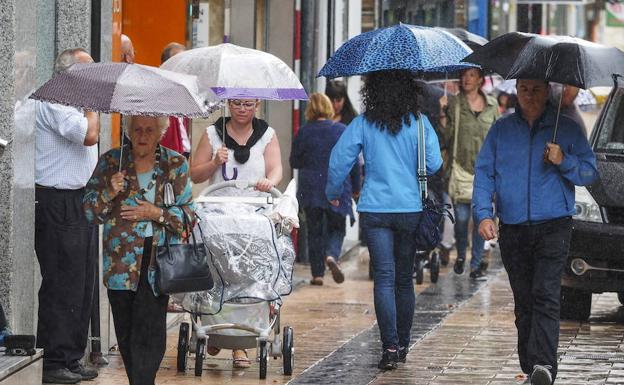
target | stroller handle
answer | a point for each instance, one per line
(239, 184)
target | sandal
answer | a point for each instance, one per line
(240, 359)
(212, 350)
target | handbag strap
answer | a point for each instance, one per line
(186, 222)
(455, 128)
(422, 158)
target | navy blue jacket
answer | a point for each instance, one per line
(510, 166)
(310, 154)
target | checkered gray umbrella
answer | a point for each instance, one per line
(130, 89)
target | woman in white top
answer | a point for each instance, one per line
(250, 152)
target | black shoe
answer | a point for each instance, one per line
(541, 375)
(478, 275)
(388, 360)
(458, 268)
(85, 372)
(60, 376)
(403, 354)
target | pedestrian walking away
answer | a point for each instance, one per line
(130, 205)
(534, 192)
(326, 223)
(390, 202)
(65, 243)
(469, 117)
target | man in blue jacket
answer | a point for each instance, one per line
(531, 181)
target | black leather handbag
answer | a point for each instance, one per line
(429, 232)
(183, 268)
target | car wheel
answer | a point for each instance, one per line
(575, 304)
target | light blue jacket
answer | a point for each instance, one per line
(510, 167)
(390, 161)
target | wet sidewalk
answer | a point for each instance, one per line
(463, 333)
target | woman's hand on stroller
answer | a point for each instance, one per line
(264, 185)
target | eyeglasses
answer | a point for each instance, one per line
(242, 105)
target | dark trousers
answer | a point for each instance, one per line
(67, 250)
(534, 257)
(140, 325)
(326, 232)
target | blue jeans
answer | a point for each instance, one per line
(462, 217)
(390, 240)
(326, 232)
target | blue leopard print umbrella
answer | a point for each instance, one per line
(400, 47)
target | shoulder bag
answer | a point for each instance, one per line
(460, 181)
(429, 232)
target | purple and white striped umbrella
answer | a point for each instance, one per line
(234, 72)
(130, 89)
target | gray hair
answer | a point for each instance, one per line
(162, 123)
(66, 59)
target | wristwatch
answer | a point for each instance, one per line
(161, 218)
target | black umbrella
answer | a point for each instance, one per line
(561, 59)
(472, 40)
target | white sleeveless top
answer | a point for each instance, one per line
(253, 169)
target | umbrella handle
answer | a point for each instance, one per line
(554, 138)
(224, 173)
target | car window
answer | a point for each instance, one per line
(611, 134)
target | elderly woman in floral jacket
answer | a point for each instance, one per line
(130, 206)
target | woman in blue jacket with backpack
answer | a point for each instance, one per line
(390, 203)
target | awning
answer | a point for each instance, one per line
(556, 2)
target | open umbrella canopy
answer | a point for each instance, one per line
(561, 59)
(234, 72)
(472, 40)
(130, 89)
(400, 47)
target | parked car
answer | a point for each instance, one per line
(596, 262)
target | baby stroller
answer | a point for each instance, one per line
(430, 259)
(251, 255)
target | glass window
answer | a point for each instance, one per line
(611, 135)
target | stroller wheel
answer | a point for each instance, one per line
(419, 273)
(264, 359)
(183, 339)
(288, 351)
(434, 266)
(199, 356)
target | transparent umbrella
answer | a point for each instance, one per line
(234, 72)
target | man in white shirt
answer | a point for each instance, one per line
(66, 244)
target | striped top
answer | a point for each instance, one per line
(62, 160)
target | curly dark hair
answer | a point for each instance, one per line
(390, 97)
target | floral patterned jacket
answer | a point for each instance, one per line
(123, 240)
